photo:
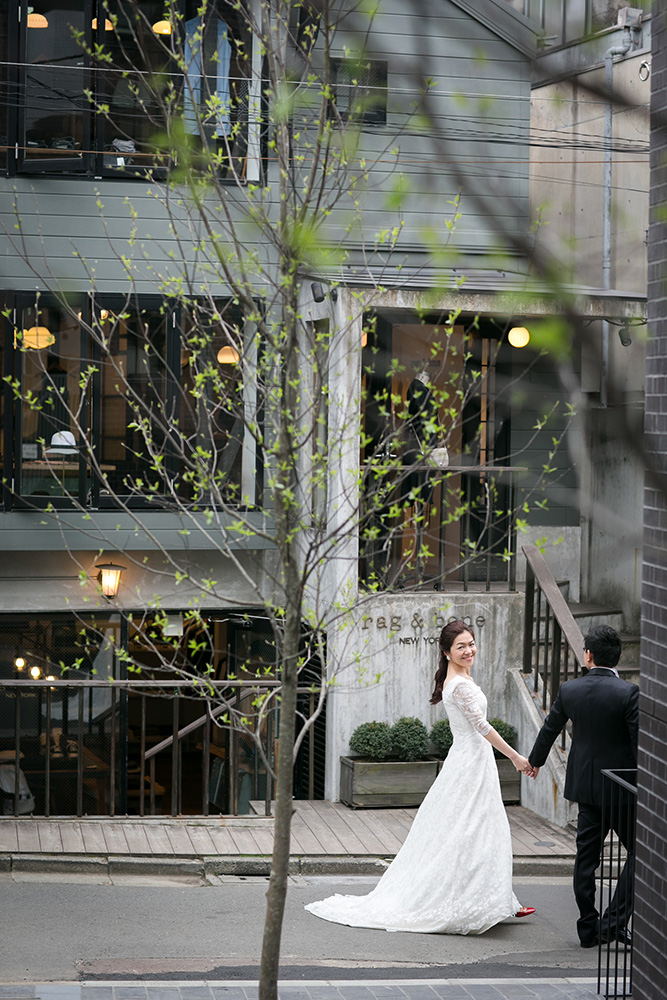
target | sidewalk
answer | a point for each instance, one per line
(433, 989)
(327, 838)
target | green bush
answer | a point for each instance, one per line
(508, 733)
(409, 739)
(441, 738)
(372, 739)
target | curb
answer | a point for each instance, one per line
(249, 865)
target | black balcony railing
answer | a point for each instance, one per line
(451, 528)
(619, 803)
(91, 747)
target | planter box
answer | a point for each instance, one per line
(368, 784)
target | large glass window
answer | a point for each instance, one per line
(112, 401)
(132, 394)
(99, 84)
(431, 517)
(51, 413)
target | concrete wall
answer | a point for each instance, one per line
(567, 176)
(562, 551)
(385, 659)
(544, 795)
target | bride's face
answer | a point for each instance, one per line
(463, 651)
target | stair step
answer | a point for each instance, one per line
(593, 610)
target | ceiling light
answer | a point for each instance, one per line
(228, 355)
(162, 28)
(38, 337)
(36, 20)
(518, 336)
(35, 672)
(108, 26)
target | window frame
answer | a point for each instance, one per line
(93, 159)
(89, 493)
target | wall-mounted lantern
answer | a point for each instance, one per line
(109, 577)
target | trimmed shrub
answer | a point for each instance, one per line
(441, 738)
(508, 733)
(409, 737)
(372, 739)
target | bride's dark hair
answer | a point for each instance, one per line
(447, 636)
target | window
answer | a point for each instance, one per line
(361, 90)
(89, 375)
(97, 84)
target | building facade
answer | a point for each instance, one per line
(96, 239)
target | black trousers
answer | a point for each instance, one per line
(593, 826)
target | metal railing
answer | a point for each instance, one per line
(553, 645)
(66, 749)
(441, 528)
(615, 950)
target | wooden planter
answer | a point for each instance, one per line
(368, 784)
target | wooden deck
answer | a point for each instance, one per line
(318, 829)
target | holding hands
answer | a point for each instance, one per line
(523, 765)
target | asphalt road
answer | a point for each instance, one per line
(52, 929)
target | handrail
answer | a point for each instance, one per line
(551, 630)
(615, 957)
(101, 780)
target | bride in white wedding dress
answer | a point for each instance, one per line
(453, 874)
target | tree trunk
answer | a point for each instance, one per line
(277, 891)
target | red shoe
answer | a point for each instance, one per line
(525, 911)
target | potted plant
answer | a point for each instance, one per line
(510, 779)
(391, 766)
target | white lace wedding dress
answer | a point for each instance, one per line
(453, 874)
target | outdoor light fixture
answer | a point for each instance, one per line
(108, 26)
(162, 28)
(109, 577)
(318, 291)
(518, 336)
(36, 20)
(19, 663)
(35, 673)
(624, 336)
(228, 355)
(37, 338)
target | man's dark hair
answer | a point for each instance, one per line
(604, 643)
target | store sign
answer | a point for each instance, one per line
(411, 631)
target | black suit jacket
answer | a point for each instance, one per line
(605, 720)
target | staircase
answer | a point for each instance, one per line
(587, 616)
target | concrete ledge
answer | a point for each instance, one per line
(59, 864)
(543, 866)
(332, 865)
(118, 865)
(257, 865)
(245, 865)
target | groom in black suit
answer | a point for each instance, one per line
(605, 716)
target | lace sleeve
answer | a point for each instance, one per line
(464, 696)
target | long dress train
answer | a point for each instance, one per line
(453, 874)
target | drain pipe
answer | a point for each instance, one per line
(615, 50)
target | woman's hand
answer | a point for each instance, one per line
(522, 764)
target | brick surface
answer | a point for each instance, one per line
(650, 920)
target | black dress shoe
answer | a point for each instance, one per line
(592, 943)
(622, 935)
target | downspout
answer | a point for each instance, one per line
(615, 50)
